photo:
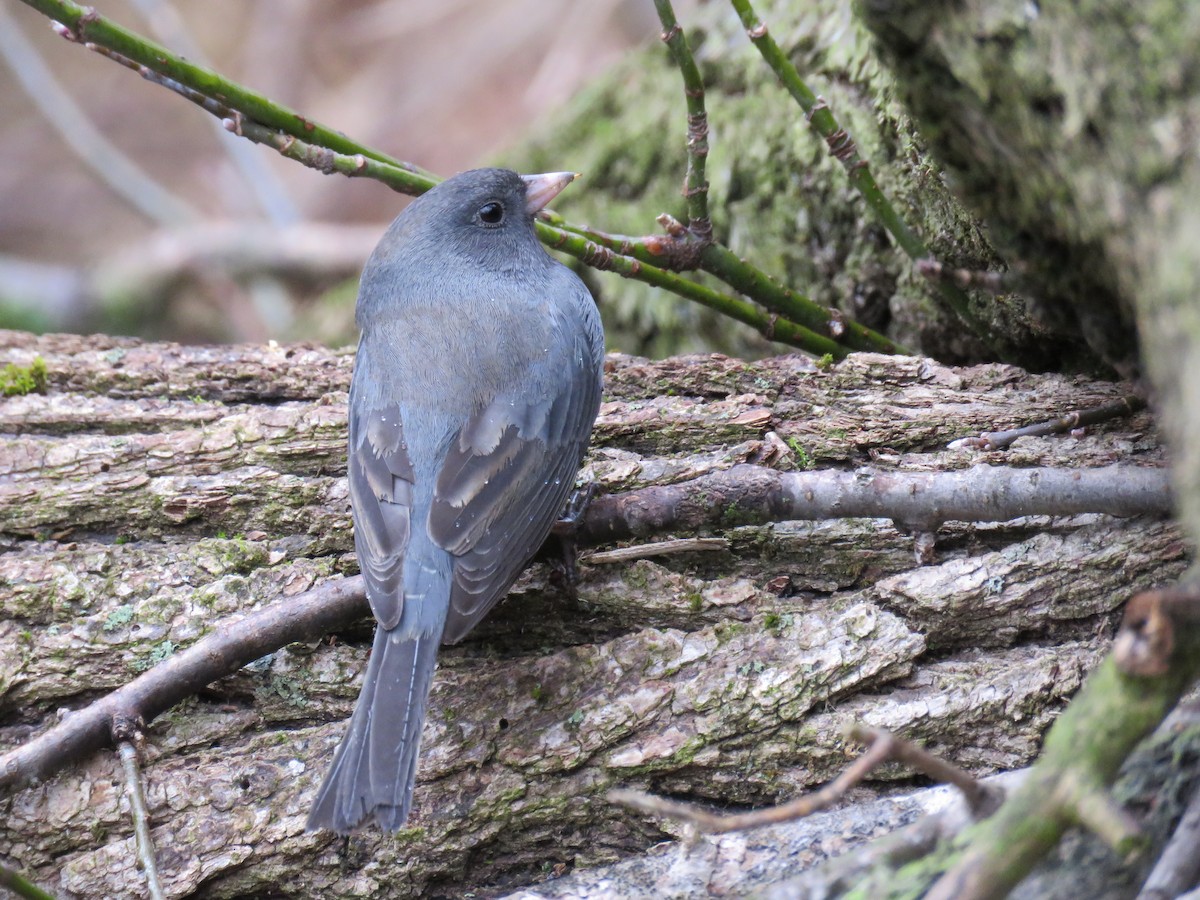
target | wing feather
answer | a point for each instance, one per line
(505, 481)
(381, 480)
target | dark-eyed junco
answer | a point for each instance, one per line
(475, 388)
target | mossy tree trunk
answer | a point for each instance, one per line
(154, 490)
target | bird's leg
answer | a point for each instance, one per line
(564, 572)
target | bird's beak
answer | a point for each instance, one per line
(541, 189)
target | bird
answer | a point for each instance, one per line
(476, 384)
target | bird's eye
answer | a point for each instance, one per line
(491, 213)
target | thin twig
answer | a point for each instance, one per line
(85, 25)
(716, 823)
(992, 282)
(769, 325)
(658, 548)
(717, 259)
(695, 189)
(126, 733)
(882, 747)
(843, 148)
(981, 800)
(999, 440)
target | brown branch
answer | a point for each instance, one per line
(981, 799)
(992, 282)
(882, 747)
(230, 646)
(999, 440)
(922, 500)
(657, 548)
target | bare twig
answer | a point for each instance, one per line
(675, 252)
(1097, 811)
(999, 440)
(659, 548)
(715, 823)
(992, 282)
(882, 747)
(695, 188)
(981, 799)
(127, 734)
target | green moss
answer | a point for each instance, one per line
(288, 689)
(636, 577)
(772, 621)
(695, 601)
(538, 693)
(513, 793)
(118, 618)
(16, 381)
(804, 459)
(727, 631)
(406, 835)
(157, 655)
(751, 668)
(825, 363)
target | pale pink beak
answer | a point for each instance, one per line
(541, 189)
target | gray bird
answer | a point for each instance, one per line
(475, 387)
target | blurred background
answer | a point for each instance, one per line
(127, 210)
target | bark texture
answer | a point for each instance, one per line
(155, 489)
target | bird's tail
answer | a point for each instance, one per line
(376, 763)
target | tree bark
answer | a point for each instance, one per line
(156, 489)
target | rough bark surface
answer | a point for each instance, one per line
(155, 489)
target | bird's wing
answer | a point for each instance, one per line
(381, 493)
(506, 479)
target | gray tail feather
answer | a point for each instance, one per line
(375, 765)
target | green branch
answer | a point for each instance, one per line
(789, 318)
(845, 150)
(87, 26)
(719, 260)
(21, 886)
(1153, 662)
(696, 183)
(771, 326)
